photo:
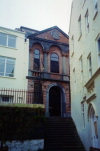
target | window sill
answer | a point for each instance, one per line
(7, 77)
(8, 47)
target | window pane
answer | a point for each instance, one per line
(38, 98)
(54, 66)
(54, 63)
(5, 98)
(2, 65)
(10, 70)
(36, 54)
(3, 39)
(99, 45)
(36, 59)
(54, 57)
(10, 67)
(10, 61)
(36, 64)
(12, 41)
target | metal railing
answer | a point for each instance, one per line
(13, 96)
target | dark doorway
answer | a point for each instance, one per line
(55, 101)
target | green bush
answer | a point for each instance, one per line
(21, 123)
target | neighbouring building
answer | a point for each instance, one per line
(13, 62)
(48, 75)
(85, 70)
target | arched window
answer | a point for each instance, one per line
(54, 63)
(36, 59)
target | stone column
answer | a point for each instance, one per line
(45, 61)
(64, 65)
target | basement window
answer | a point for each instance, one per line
(6, 98)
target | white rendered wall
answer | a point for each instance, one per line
(83, 47)
(21, 53)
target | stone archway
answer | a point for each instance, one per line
(93, 126)
(61, 106)
(55, 101)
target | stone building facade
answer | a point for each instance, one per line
(85, 70)
(48, 74)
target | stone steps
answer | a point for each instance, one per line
(61, 135)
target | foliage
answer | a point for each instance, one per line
(21, 123)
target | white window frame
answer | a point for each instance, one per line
(5, 65)
(7, 40)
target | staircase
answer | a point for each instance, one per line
(61, 135)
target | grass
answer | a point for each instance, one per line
(23, 105)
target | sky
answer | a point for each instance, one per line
(35, 14)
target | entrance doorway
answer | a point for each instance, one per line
(55, 101)
(94, 127)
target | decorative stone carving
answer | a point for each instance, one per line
(55, 34)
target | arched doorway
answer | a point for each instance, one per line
(93, 126)
(56, 101)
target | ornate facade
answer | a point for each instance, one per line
(49, 70)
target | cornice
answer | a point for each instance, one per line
(91, 80)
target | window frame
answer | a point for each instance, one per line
(5, 73)
(34, 67)
(8, 37)
(54, 61)
(6, 98)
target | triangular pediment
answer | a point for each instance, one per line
(54, 34)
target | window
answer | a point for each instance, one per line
(5, 98)
(7, 66)
(7, 40)
(81, 63)
(83, 113)
(99, 45)
(96, 4)
(99, 51)
(36, 59)
(87, 20)
(74, 75)
(38, 97)
(95, 8)
(54, 63)
(80, 28)
(90, 65)
(72, 43)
